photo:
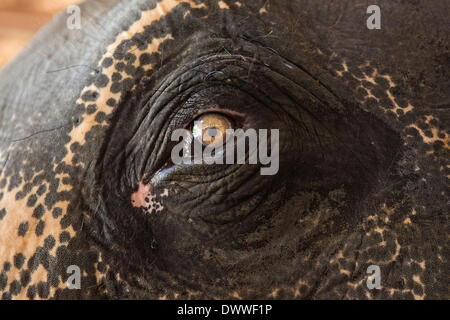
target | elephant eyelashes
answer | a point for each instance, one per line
(210, 129)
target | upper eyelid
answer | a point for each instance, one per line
(234, 116)
(230, 118)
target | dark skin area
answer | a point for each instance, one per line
(364, 149)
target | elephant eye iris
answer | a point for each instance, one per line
(210, 129)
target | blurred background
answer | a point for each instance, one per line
(21, 19)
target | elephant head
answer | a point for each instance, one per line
(88, 180)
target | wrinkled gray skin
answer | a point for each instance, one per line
(86, 177)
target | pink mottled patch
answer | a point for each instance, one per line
(138, 198)
(145, 199)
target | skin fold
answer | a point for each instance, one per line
(86, 177)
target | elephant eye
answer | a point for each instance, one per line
(210, 129)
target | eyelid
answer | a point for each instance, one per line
(229, 118)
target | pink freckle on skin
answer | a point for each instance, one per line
(138, 198)
(144, 199)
